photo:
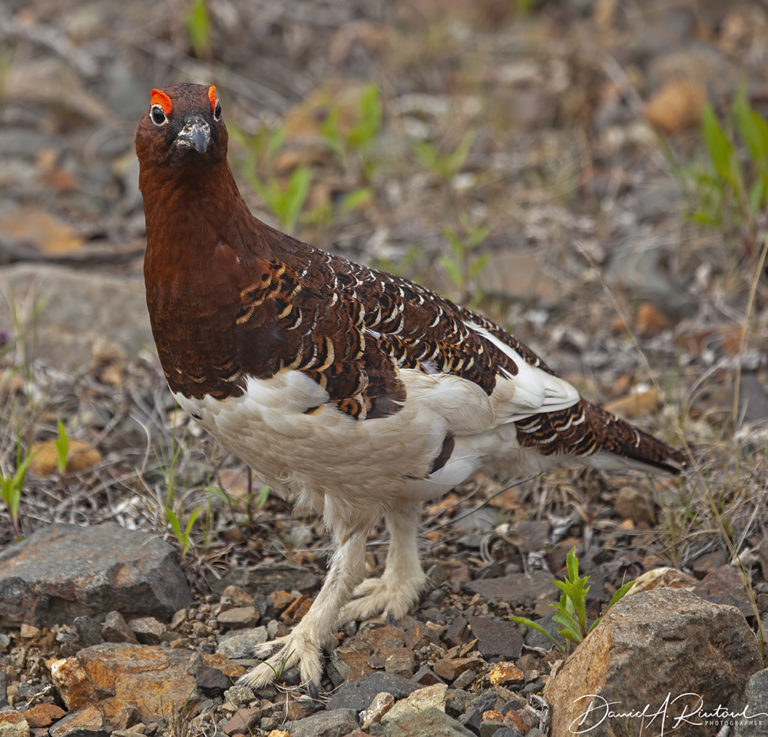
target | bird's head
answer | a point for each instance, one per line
(182, 127)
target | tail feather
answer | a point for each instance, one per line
(588, 430)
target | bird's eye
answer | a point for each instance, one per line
(157, 115)
(217, 111)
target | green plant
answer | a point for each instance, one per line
(62, 448)
(183, 536)
(444, 165)
(285, 201)
(571, 612)
(463, 264)
(360, 134)
(12, 484)
(198, 24)
(249, 505)
(733, 188)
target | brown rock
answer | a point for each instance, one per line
(88, 720)
(663, 577)
(43, 715)
(638, 403)
(118, 676)
(505, 672)
(677, 105)
(148, 630)
(13, 724)
(242, 721)
(648, 646)
(80, 457)
(281, 599)
(380, 705)
(73, 683)
(370, 648)
(631, 503)
(650, 320)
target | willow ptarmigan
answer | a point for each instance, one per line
(356, 393)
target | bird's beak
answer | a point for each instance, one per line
(195, 133)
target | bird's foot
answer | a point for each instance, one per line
(278, 655)
(375, 596)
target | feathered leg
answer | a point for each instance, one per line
(403, 578)
(304, 644)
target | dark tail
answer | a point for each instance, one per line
(588, 431)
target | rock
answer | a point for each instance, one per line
(647, 646)
(151, 680)
(372, 646)
(237, 695)
(238, 645)
(457, 632)
(359, 694)
(88, 632)
(238, 617)
(107, 567)
(88, 722)
(755, 702)
(116, 629)
(636, 404)
(80, 457)
(381, 704)
(148, 630)
(677, 105)
(211, 681)
(429, 697)
(69, 327)
(504, 672)
(665, 576)
(633, 504)
(516, 589)
(267, 577)
(428, 723)
(43, 715)
(333, 723)
(496, 638)
(242, 721)
(724, 586)
(13, 724)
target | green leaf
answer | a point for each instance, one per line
(199, 27)
(296, 195)
(356, 198)
(535, 626)
(454, 270)
(720, 149)
(478, 265)
(218, 492)
(62, 448)
(368, 124)
(570, 629)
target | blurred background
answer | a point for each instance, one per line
(592, 174)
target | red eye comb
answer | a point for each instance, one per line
(212, 96)
(160, 98)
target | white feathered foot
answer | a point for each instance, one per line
(399, 586)
(303, 646)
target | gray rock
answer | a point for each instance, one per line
(650, 645)
(515, 588)
(70, 325)
(238, 617)
(148, 630)
(116, 629)
(333, 723)
(240, 643)
(755, 703)
(496, 638)
(267, 577)
(65, 571)
(427, 723)
(358, 694)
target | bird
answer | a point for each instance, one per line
(356, 394)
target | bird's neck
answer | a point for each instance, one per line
(194, 208)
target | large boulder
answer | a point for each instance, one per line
(658, 655)
(65, 571)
